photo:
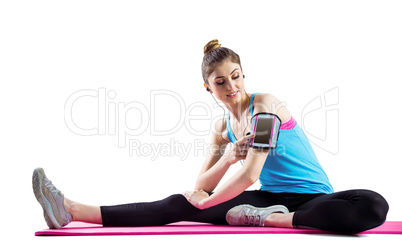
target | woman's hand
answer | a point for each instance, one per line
(240, 149)
(196, 198)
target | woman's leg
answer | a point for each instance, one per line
(350, 211)
(168, 210)
(59, 211)
(176, 208)
(82, 212)
(279, 220)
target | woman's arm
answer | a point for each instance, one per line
(254, 163)
(239, 182)
(208, 180)
(217, 163)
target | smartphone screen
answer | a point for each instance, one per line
(263, 130)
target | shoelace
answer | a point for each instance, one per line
(54, 191)
(51, 187)
(252, 220)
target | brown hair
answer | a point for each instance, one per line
(214, 55)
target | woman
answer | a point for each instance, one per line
(295, 191)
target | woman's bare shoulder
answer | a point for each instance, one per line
(267, 102)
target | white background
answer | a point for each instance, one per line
(296, 50)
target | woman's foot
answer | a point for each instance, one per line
(51, 199)
(247, 215)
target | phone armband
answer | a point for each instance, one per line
(265, 126)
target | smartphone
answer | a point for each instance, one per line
(265, 126)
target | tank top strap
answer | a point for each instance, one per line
(229, 131)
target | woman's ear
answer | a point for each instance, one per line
(208, 90)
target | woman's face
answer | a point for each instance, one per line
(226, 82)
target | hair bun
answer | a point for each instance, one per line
(213, 44)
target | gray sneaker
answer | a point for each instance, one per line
(247, 215)
(51, 200)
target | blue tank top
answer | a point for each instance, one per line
(293, 166)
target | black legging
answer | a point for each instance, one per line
(350, 211)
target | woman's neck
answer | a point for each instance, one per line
(240, 108)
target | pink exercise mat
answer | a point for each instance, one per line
(82, 229)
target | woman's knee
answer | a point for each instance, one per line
(373, 208)
(376, 205)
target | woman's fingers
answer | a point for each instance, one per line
(245, 139)
(240, 148)
(204, 192)
(243, 146)
(190, 193)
